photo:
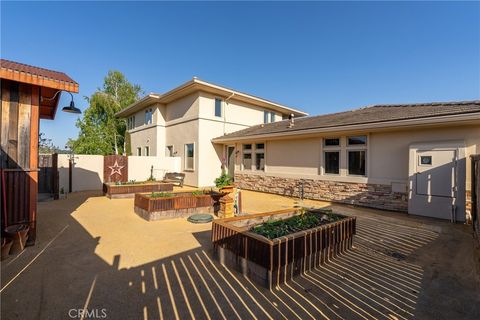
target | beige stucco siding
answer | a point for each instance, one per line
(142, 137)
(183, 109)
(234, 111)
(177, 136)
(387, 154)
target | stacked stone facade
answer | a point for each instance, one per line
(363, 194)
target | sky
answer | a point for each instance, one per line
(319, 57)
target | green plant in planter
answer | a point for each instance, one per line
(198, 192)
(161, 195)
(223, 181)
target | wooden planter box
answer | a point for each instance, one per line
(272, 262)
(114, 191)
(182, 204)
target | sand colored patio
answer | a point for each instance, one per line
(97, 254)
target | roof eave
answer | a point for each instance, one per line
(356, 127)
(137, 106)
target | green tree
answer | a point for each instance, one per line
(100, 131)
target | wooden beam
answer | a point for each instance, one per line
(38, 80)
(34, 131)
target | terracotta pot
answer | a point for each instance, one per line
(6, 246)
(19, 234)
(226, 189)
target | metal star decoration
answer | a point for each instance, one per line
(116, 169)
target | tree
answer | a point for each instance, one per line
(101, 132)
(45, 145)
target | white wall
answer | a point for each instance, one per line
(139, 168)
(87, 172)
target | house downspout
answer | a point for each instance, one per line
(225, 113)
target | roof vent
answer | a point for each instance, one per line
(291, 117)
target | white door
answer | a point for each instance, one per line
(434, 181)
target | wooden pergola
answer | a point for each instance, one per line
(28, 94)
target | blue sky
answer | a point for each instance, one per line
(318, 57)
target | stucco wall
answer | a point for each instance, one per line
(146, 136)
(139, 168)
(87, 173)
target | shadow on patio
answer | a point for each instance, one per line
(377, 279)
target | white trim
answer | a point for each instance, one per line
(185, 157)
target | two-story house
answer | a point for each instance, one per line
(183, 121)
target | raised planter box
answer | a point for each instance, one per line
(182, 204)
(114, 191)
(273, 262)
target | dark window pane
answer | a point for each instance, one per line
(260, 146)
(218, 108)
(260, 161)
(358, 140)
(332, 142)
(426, 160)
(356, 162)
(272, 116)
(247, 161)
(332, 162)
(265, 116)
(247, 147)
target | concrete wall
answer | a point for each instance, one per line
(87, 172)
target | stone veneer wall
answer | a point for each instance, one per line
(368, 195)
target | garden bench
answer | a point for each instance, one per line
(174, 177)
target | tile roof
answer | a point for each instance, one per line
(365, 115)
(41, 72)
(34, 75)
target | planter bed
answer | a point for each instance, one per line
(114, 191)
(181, 204)
(270, 262)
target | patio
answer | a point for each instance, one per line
(97, 254)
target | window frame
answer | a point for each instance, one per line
(339, 151)
(147, 151)
(148, 116)
(186, 157)
(139, 151)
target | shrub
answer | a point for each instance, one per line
(161, 195)
(223, 181)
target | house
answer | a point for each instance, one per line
(28, 94)
(182, 122)
(410, 158)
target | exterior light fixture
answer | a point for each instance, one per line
(71, 108)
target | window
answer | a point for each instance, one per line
(247, 157)
(169, 151)
(358, 140)
(148, 116)
(139, 151)
(332, 162)
(131, 123)
(268, 117)
(189, 156)
(330, 142)
(356, 162)
(425, 160)
(260, 156)
(147, 151)
(218, 108)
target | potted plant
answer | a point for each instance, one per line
(62, 193)
(224, 183)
